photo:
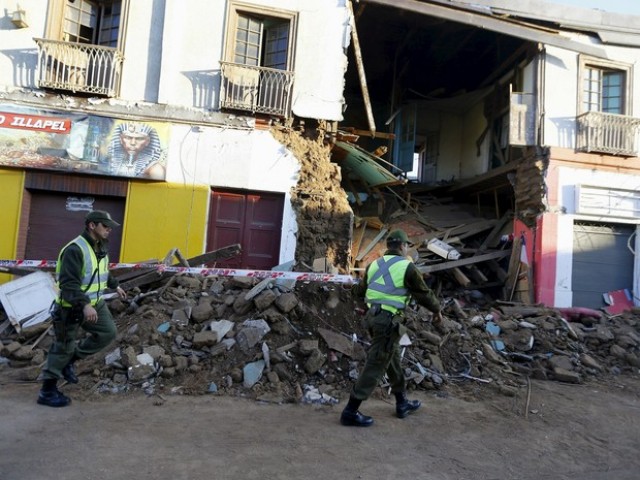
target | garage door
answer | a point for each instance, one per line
(55, 218)
(254, 220)
(601, 262)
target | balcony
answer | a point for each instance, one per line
(256, 89)
(608, 133)
(79, 67)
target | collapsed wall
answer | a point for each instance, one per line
(324, 216)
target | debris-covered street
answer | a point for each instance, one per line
(242, 378)
(572, 432)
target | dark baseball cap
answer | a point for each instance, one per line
(100, 216)
(399, 236)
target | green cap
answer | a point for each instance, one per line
(100, 216)
(399, 236)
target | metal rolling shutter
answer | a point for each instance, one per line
(601, 262)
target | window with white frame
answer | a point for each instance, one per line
(604, 87)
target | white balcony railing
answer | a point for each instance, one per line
(79, 67)
(608, 133)
(256, 89)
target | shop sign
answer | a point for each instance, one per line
(81, 143)
(36, 123)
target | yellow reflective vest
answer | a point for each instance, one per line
(94, 273)
(385, 285)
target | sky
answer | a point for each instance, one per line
(614, 6)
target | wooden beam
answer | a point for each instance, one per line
(357, 131)
(358, 242)
(514, 269)
(493, 234)
(220, 254)
(205, 258)
(372, 244)
(465, 261)
(361, 72)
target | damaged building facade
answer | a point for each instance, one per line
(530, 109)
(162, 112)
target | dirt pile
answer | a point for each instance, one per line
(288, 343)
(324, 216)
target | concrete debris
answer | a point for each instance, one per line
(268, 349)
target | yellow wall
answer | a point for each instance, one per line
(163, 216)
(11, 188)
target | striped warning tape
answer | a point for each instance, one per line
(206, 272)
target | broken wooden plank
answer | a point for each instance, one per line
(220, 254)
(490, 239)
(372, 244)
(476, 274)
(124, 274)
(465, 261)
(205, 258)
(358, 241)
(356, 131)
(175, 252)
(374, 222)
(144, 279)
(460, 277)
(514, 269)
(468, 230)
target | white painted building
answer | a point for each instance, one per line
(205, 77)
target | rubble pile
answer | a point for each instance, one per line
(303, 342)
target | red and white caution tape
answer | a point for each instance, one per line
(205, 272)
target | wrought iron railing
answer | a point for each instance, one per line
(256, 89)
(79, 67)
(608, 133)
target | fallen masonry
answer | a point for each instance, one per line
(303, 342)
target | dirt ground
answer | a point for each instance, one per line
(552, 431)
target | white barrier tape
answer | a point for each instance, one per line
(206, 272)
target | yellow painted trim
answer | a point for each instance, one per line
(163, 216)
(11, 197)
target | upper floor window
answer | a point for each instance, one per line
(92, 22)
(605, 87)
(81, 51)
(260, 37)
(257, 74)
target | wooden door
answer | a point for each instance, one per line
(252, 219)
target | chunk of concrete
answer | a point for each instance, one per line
(252, 372)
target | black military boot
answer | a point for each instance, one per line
(351, 417)
(404, 406)
(50, 395)
(69, 373)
